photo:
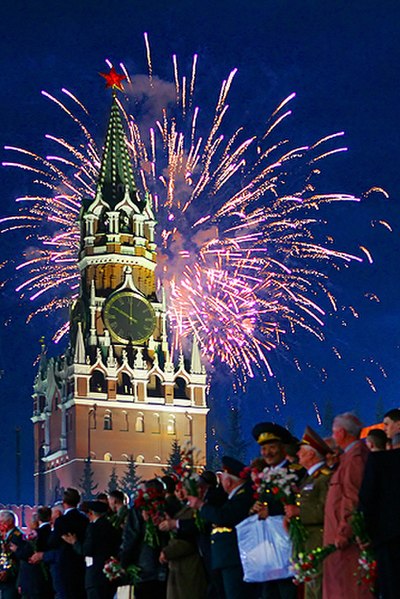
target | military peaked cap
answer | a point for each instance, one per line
(269, 432)
(98, 507)
(232, 465)
(312, 438)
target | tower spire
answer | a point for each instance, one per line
(116, 178)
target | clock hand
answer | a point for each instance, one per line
(128, 316)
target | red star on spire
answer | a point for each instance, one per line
(113, 79)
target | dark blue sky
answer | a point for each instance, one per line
(342, 60)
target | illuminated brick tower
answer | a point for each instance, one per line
(115, 392)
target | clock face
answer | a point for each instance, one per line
(129, 317)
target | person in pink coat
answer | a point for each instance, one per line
(340, 580)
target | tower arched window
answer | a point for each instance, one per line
(107, 457)
(124, 421)
(189, 426)
(156, 424)
(124, 384)
(154, 386)
(171, 425)
(140, 459)
(107, 422)
(139, 424)
(98, 382)
(180, 388)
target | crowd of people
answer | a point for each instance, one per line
(180, 537)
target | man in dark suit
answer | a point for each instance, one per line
(380, 501)
(71, 565)
(225, 558)
(100, 543)
(34, 578)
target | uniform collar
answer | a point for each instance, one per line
(315, 468)
(234, 491)
(280, 465)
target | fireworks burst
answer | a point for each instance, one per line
(243, 257)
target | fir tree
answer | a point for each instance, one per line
(234, 444)
(112, 481)
(379, 410)
(86, 483)
(130, 481)
(290, 424)
(174, 458)
(213, 449)
(327, 419)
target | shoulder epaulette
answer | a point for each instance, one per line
(295, 466)
(240, 491)
(326, 471)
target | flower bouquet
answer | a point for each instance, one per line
(281, 484)
(367, 567)
(115, 572)
(188, 475)
(307, 566)
(152, 503)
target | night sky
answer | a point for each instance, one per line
(341, 58)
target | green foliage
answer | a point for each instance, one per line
(379, 410)
(130, 481)
(86, 483)
(327, 418)
(113, 481)
(234, 444)
(174, 458)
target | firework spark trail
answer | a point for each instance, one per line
(242, 265)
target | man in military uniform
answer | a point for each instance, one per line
(311, 498)
(10, 535)
(272, 439)
(225, 558)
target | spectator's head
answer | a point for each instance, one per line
(71, 497)
(230, 476)
(34, 521)
(313, 449)
(291, 450)
(56, 511)
(96, 509)
(391, 422)
(44, 513)
(272, 439)
(207, 480)
(7, 520)
(170, 484)
(181, 492)
(83, 507)
(346, 429)
(376, 440)
(156, 485)
(116, 499)
(102, 497)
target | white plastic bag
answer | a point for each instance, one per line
(125, 592)
(265, 549)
